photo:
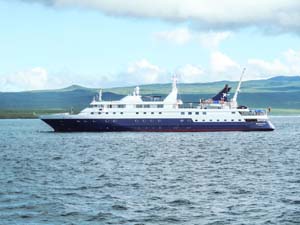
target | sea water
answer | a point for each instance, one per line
(149, 178)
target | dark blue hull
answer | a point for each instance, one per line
(152, 125)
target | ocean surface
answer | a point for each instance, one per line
(149, 178)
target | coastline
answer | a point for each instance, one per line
(34, 114)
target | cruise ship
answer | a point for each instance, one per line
(135, 113)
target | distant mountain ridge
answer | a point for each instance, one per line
(278, 92)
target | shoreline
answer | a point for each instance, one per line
(34, 114)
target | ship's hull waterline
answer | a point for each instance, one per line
(153, 125)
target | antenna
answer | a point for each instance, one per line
(100, 95)
(234, 99)
(174, 81)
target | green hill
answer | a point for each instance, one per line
(281, 93)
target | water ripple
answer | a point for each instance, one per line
(149, 178)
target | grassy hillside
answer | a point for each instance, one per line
(281, 93)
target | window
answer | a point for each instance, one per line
(160, 106)
(225, 120)
(240, 120)
(218, 120)
(190, 113)
(137, 113)
(182, 113)
(92, 113)
(114, 112)
(99, 113)
(232, 120)
(145, 112)
(160, 113)
(139, 106)
(152, 112)
(203, 120)
(196, 120)
(121, 112)
(106, 113)
(204, 113)
(121, 106)
(210, 120)
(146, 106)
(233, 112)
(197, 113)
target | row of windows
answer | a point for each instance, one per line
(120, 113)
(197, 113)
(124, 106)
(85, 121)
(182, 113)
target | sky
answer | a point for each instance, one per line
(49, 44)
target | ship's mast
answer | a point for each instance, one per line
(234, 99)
(100, 95)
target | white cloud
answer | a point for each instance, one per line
(222, 63)
(181, 36)
(190, 73)
(287, 64)
(142, 72)
(221, 67)
(265, 68)
(275, 15)
(213, 39)
(178, 36)
(32, 79)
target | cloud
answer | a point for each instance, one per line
(287, 64)
(190, 73)
(221, 63)
(182, 36)
(270, 16)
(142, 72)
(178, 36)
(212, 40)
(33, 79)
(221, 67)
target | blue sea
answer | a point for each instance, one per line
(149, 178)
